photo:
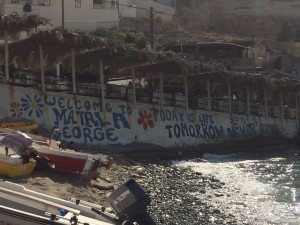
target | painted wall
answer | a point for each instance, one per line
(82, 120)
(85, 18)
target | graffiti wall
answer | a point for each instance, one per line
(83, 120)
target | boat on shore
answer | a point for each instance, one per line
(13, 163)
(24, 126)
(85, 166)
(13, 216)
(19, 205)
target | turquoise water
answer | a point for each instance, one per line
(264, 188)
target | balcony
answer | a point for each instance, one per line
(31, 2)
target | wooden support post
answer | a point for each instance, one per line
(73, 71)
(186, 93)
(58, 70)
(297, 107)
(229, 97)
(42, 68)
(281, 106)
(102, 86)
(266, 102)
(248, 101)
(6, 56)
(133, 85)
(161, 93)
(208, 94)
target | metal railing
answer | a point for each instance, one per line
(106, 5)
(31, 2)
(170, 98)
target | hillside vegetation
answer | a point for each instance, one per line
(269, 19)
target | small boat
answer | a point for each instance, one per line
(19, 205)
(24, 126)
(13, 164)
(13, 216)
(86, 166)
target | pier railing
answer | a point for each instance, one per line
(174, 98)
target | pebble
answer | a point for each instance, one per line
(179, 195)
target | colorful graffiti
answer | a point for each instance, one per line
(145, 119)
(32, 105)
(77, 119)
(202, 131)
(204, 126)
(84, 120)
(168, 115)
(16, 110)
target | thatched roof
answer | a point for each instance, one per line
(14, 24)
(120, 59)
(56, 45)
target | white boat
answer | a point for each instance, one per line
(19, 205)
(13, 216)
(18, 197)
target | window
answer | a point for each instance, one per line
(77, 3)
(99, 1)
(47, 2)
(100, 4)
(166, 2)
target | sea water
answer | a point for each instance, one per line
(263, 188)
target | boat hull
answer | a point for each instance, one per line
(12, 167)
(19, 206)
(65, 163)
(70, 162)
(25, 126)
(16, 217)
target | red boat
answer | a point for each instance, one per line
(69, 161)
(84, 165)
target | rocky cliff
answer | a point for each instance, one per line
(275, 19)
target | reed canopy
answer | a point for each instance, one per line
(58, 46)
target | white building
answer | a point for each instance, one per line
(84, 15)
(87, 15)
(141, 8)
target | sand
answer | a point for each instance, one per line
(65, 186)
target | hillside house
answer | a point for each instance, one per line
(165, 9)
(88, 15)
(233, 56)
(81, 15)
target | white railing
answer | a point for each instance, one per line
(31, 2)
(106, 5)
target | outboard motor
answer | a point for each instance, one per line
(62, 144)
(130, 202)
(44, 162)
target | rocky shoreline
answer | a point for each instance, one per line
(179, 195)
(172, 190)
